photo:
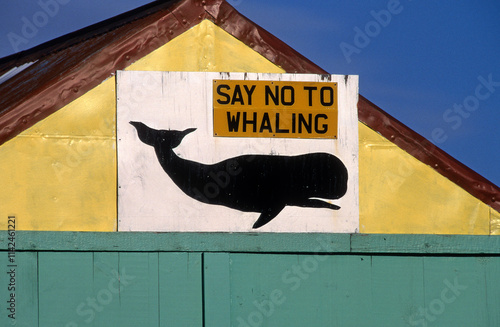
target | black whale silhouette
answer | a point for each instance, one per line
(251, 183)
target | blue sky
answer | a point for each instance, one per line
(433, 65)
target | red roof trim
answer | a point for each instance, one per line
(263, 42)
(67, 72)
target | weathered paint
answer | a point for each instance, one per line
(206, 47)
(60, 174)
(399, 194)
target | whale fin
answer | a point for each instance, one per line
(315, 203)
(267, 215)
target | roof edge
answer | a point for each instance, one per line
(426, 152)
(67, 40)
(148, 28)
(261, 41)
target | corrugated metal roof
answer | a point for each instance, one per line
(63, 69)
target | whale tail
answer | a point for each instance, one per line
(146, 135)
(149, 136)
(177, 136)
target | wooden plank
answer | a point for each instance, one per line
(153, 307)
(396, 289)
(438, 244)
(23, 287)
(180, 289)
(257, 280)
(341, 290)
(253, 242)
(217, 300)
(139, 300)
(351, 279)
(27, 307)
(66, 289)
(98, 289)
(299, 290)
(181, 242)
(106, 287)
(492, 291)
(349, 290)
(455, 290)
(247, 289)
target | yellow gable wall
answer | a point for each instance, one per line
(400, 194)
(61, 173)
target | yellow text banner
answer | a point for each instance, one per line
(286, 109)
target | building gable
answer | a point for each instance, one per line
(59, 117)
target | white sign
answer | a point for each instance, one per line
(176, 174)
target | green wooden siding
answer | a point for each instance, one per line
(180, 286)
(26, 289)
(370, 280)
(342, 290)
